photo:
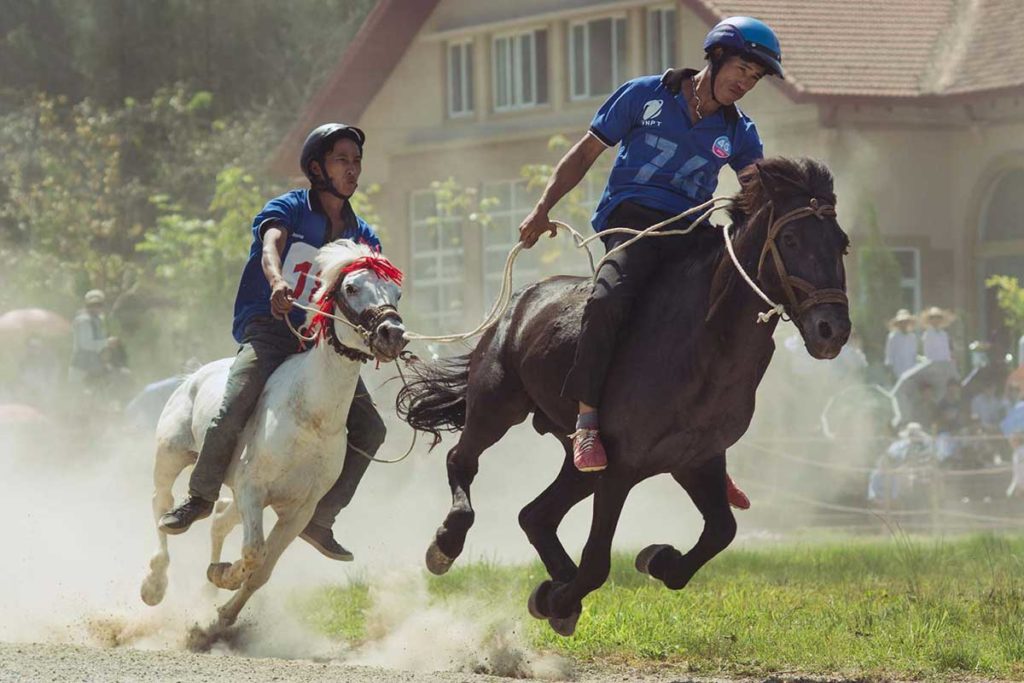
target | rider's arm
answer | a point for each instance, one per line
(275, 237)
(567, 175)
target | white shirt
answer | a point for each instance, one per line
(900, 351)
(936, 345)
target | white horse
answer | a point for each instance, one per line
(292, 449)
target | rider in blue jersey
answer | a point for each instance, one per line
(287, 234)
(675, 133)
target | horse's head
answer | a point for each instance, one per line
(363, 288)
(790, 210)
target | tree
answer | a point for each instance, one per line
(1010, 297)
(878, 290)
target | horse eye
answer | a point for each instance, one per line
(350, 289)
(789, 240)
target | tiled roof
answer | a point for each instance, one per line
(890, 48)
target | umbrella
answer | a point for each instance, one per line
(26, 322)
(13, 414)
(932, 373)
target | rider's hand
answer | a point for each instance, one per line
(535, 225)
(280, 298)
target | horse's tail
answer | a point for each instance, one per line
(435, 400)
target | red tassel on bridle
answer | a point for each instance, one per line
(380, 266)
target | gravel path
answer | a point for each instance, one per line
(66, 663)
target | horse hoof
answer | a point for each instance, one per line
(215, 573)
(437, 562)
(564, 627)
(539, 593)
(153, 589)
(643, 559)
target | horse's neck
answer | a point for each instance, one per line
(328, 377)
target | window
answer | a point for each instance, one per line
(460, 79)
(661, 39)
(520, 70)
(507, 204)
(597, 57)
(437, 264)
(909, 259)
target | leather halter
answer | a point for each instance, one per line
(790, 283)
(365, 324)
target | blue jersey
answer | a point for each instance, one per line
(308, 229)
(665, 162)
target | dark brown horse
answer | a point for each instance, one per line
(680, 392)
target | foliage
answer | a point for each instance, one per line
(83, 186)
(111, 50)
(911, 610)
(878, 278)
(1010, 297)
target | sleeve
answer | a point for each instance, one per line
(889, 350)
(367, 235)
(748, 145)
(281, 209)
(618, 114)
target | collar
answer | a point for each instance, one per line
(730, 112)
(349, 222)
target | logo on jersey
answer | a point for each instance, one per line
(652, 109)
(721, 147)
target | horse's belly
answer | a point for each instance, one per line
(289, 463)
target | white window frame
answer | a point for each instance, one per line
(465, 84)
(526, 270)
(514, 91)
(912, 282)
(617, 76)
(667, 58)
(426, 292)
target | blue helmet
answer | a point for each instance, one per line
(748, 36)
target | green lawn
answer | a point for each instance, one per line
(902, 607)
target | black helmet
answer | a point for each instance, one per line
(319, 142)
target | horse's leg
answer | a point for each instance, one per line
(561, 602)
(540, 518)
(706, 486)
(289, 524)
(486, 422)
(230, 576)
(168, 464)
(226, 517)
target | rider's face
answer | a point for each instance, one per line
(343, 164)
(736, 77)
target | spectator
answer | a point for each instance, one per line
(925, 409)
(1016, 487)
(951, 420)
(987, 408)
(934, 339)
(901, 344)
(891, 478)
(89, 341)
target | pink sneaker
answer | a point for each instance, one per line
(587, 451)
(736, 497)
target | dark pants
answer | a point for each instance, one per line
(618, 283)
(266, 344)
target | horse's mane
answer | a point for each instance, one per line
(749, 212)
(333, 259)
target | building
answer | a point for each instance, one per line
(916, 106)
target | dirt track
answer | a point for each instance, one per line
(66, 663)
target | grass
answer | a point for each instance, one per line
(906, 607)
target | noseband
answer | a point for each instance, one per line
(790, 283)
(365, 324)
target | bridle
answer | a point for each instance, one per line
(365, 324)
(791, 284)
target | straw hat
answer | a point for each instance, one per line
(938, 317)
(95, 296)
(903, 316)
